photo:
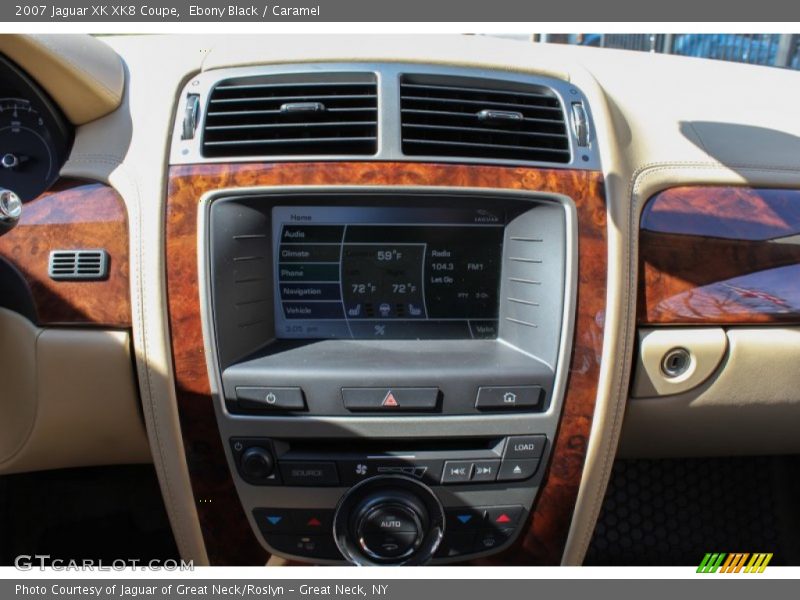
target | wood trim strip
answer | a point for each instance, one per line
(73, 214)
(720, 256)
(228, 537)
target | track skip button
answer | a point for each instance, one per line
(457, 471)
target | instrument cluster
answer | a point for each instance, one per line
(35, 137)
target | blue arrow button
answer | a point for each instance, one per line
(465, 518)
(274, 520)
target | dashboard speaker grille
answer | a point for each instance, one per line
(482, 118)
(293, 114)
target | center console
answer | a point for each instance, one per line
(388, 363)
(386, 289)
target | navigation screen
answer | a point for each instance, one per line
(387, 273)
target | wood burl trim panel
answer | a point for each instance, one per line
(73, 215)
(720, 256)
(227, 534)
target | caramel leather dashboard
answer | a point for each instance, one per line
(719, 274)
(227, 534)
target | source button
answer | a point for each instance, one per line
(309, 473)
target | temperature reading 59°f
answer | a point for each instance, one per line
(389, 255)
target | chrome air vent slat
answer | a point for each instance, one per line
(294, 98)
(287, 125)
(261, 86)
(462, 89)
(482, 118)
(445, 128)
(266, 142)
(431, 147)
(556, 125)
(293, 114)
(488, 103)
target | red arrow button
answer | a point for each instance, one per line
(504, 518)
(314, 522)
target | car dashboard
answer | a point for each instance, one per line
(400, 302)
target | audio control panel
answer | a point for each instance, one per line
(388, 364)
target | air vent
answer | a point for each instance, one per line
(295, 114)
(78, 264)
(482, 118)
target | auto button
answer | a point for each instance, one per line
(390, 530)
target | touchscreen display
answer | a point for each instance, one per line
(386, 272)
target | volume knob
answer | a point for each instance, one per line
(257, 463)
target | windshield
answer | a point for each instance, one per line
(773, 50)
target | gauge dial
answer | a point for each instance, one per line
(27, 163)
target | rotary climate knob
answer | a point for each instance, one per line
(389, 520)
(390, 526)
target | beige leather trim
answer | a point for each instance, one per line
(465, 51)
(705, 347)
(71, 398)
(133, 160)
(751, 405)
(18, 397)
(81, 73)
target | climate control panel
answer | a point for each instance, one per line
(414, 504)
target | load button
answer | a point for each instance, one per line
(525, 447)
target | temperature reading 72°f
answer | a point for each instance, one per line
(403, 288)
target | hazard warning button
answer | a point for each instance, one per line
(397, 399)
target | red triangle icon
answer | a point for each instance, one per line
(390, 400)
(504, 518)
(313, 522)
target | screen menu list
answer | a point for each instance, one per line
(387, 280)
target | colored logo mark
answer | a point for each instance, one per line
(735, 562)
